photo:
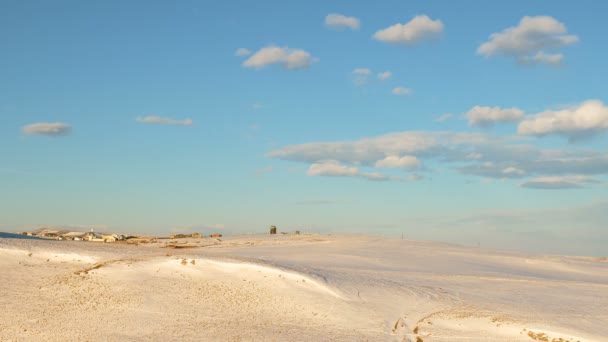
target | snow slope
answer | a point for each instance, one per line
(297, 288)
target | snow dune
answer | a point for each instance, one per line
(297, 288)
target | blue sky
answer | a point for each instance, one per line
(141, 116)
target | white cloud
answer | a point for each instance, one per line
(486, 156)
(341, 21)
(444, 117)
(481, 116)
(240, 52)
(575, 122)
(385, 75)
(558, 182)
(418, 29)
(401, 91)
(53, 129)
(164, 121)
(288, 58)
(258, 105)
(333, 168)
(407, 162)
(513, 171)
(528, 41)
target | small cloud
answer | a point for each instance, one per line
(240, 52)
(418, 29)
(513, 171)
(485, 117)
(332, 168)
(444, 117)
(528, 41)
(385, 75)
(264, 170)
(401, 91)
(284, 56)
(362, 71)
(52, 129)
(542, 58)
(164, 121)
(559, 182)
(474, 156)
(361, 76)
(257, 106)
(340, 21)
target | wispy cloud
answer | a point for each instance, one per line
(559, 182)
(263, 170)
(240, 52)
(444, 117)
(164, 121)
(385, 75)
(52, 129)
(401, 91)
(361, 76)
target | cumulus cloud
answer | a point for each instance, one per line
(240, 52)
(385, 75)
(53, 129)
(528, 41)
(164, 121)
(407, 162)
(341, 21)
(284, 56)
(558, 182)
(418, 29)
(481, 116)
(575, 122)
(401, 91)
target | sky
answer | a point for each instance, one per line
(470, 122)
